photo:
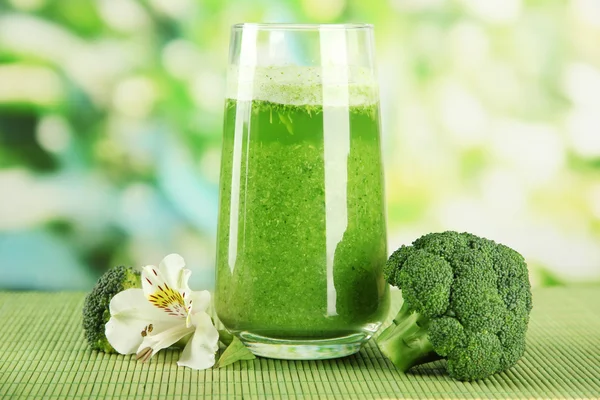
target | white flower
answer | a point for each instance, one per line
(144, 321)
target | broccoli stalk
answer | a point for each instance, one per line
(405, 342)
(466, 299)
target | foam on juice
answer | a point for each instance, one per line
(294, 85)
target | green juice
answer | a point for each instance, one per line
(301, 232)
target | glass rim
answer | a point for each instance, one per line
(300, 27)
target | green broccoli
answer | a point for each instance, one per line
(466, 299)
(96, 306)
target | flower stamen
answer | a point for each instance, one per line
(147, 330)
(144, 355)
(169, 300)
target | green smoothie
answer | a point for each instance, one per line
(301, 232)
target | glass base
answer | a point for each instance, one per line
(320, 349)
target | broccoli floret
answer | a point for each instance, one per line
(96, 306)
(466, 299)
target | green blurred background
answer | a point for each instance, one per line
(111, 115)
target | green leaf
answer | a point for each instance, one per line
(235, 352)
(225, 337)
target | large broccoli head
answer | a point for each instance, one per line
(96, 306)
(470, 299)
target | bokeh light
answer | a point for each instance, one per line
(111, 116)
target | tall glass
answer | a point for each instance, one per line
(301, 238)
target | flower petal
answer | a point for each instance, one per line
(200, 300)
(130, 314)
(200, 351)
(171, 267)
(160, 339)
(197, 302)
(152, 280)
(170, 273)
(184, 288)
(161, 295)
(132, 303)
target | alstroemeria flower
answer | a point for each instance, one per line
(144, 321)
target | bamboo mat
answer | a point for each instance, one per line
(43, 356)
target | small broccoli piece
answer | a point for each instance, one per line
(432, 296)
(445, 333)
(96, 306)
(476, 358)
(466, 299)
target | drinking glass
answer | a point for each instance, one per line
(301, 240)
